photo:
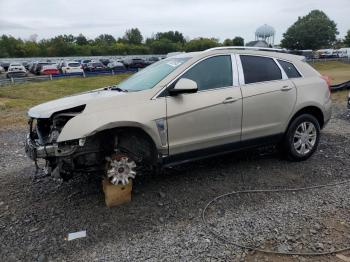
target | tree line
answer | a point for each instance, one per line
(131, 43)
(313, 31)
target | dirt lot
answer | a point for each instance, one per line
(163, 222)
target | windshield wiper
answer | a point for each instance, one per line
(116, 88)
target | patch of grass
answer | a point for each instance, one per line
(339, 72)
(17, 99)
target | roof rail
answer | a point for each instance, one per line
(248, 48)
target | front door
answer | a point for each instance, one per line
(212, 116)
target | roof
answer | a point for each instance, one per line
(272, 52)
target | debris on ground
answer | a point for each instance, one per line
(75, 235)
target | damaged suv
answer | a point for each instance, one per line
(183, 108)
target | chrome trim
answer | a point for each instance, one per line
(235, 78)
(284, 75)
(240, 70)
(247, 48)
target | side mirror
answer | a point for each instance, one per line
(184, 86)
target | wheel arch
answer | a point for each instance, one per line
(312, 110)
(131, 138)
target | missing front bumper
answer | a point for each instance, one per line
(35, 151)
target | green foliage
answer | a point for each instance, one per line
(105, 40)
(313, 31)
(164, 46)
(166, 42)
(81, 40)
(237, 41)
(133, 36)
(200, 44)
(346, 41)
(172, 36)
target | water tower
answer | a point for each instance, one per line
(265, 33)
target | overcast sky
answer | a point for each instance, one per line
(208, 18)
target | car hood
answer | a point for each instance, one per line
(46, 110)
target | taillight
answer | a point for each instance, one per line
(328, 81)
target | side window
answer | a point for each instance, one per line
(214, 72)
(259, 69)
(290, 69)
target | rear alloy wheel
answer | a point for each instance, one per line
(120, 169)
(305, 138)
(302, 137)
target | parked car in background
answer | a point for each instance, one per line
(49, 70)
(309, 54)
(134, 63)
(105, 61)
(116, 66)
(69, 67)
(327, 53)
(151, 60)
(32, 67)
(16, 70)
(173, 54)
(344, 52)
(95, 66)
(190, 106)
(2, 70)
(39, 65)
(5, 65)
(26, 65)
(349, 101)
(85, 62)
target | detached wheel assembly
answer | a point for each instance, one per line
(120, 168)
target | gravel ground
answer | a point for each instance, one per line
(163, 222)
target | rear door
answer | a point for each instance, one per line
(268, 95)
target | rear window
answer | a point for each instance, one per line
(290, 69)
(74, 64)
(259, 69)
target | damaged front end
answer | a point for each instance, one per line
(63, 159)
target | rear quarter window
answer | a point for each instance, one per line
(290, 69)
(259, 69)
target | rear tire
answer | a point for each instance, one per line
(302, 138)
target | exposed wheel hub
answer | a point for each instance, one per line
(120, 169)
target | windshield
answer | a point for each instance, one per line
(150, 76)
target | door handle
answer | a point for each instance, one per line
(286, 88)
(230, 100)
